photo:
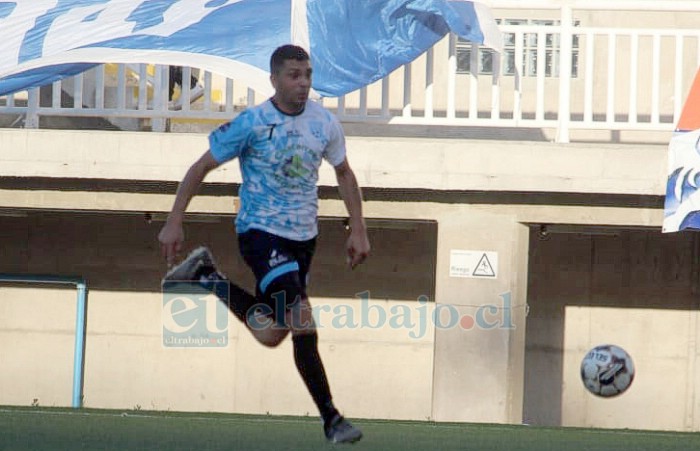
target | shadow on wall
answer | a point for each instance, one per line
(626, 269)
(121, 252)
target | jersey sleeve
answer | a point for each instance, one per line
(335, 150)
(230, 139)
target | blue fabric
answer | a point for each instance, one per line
(276, 272)
(352, 42)
(357, 45)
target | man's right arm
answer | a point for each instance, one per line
(172, 235)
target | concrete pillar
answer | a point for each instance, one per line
(481, 285)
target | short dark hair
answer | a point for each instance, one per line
(286, 52)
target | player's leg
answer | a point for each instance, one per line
(281, 305)
(174, 78)
(256, 312)
(281, 267)
(196, 88)
(310, 366)
(199, 267)
(277, 284)
(307, 358)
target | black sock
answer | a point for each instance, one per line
(311, 369)
(239, 301)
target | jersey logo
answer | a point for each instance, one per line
(276, 259)
(294, 167)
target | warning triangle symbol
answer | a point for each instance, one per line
(484, 268)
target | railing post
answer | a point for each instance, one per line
(429, 86)
(407, 110)
(451, 76)
(250, 98)
(160, 98)
(565, 49)
(32, 118)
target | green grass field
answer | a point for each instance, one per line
(39, 428)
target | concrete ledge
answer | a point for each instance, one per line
(381, 162)
(16, 201)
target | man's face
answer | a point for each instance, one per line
(292, 84)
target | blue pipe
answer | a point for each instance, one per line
(79, 353)
(80, 323)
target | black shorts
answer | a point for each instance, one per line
(280, 266)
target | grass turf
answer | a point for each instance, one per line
(39, 428)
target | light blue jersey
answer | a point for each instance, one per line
(280, 155)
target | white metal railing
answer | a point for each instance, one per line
(558, 73)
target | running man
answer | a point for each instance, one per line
(280, 145)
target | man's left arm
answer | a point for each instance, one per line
(357, 245)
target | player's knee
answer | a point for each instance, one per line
(273, 338)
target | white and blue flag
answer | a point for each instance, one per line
(352, 42)
(682, 203)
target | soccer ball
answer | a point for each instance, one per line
(607, 370)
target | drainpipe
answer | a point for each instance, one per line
(80, 323)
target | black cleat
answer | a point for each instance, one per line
(199, 264)
(339, 430)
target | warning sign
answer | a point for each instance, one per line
(475, 264)
(484, 267)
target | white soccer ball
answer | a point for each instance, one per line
(607, 370)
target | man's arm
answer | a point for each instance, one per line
(358, 243)
(172, 235)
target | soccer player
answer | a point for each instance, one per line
(280, 145)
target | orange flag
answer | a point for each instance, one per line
(690, 116)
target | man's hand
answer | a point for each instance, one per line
(171, 237)
(357, 247)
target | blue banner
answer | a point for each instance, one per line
(351, 42)
(682, 204)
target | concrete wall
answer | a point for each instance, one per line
(69, 206)
(478, 363)
(636, 289)
(127, 365)
(379, 162)
(376, 323)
